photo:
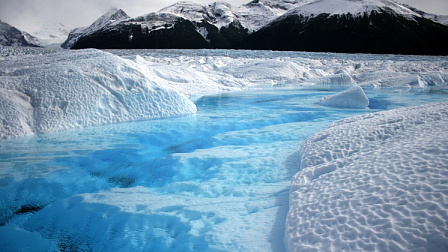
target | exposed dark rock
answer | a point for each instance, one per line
(380, 32)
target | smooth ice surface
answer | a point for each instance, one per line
(353, 97)
(374, 182)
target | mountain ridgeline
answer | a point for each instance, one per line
(344, 26)
(11, 36)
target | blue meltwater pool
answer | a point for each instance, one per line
(214, 181)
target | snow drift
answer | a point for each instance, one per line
(86, 88)
(373, 182)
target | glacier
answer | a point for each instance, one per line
(65, 90)
(237, 143)
(80, 89)
(373, 182)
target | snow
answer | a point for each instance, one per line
(373, 182)
(354, 7)
(353, 97)
(80, 89)
(120, 86)
(49, 34)
(109, 19)
(220, 180)
(252, 16)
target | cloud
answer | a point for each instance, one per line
(29, 13)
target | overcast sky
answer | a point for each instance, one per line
(30, 14)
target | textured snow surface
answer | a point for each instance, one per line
(220, 180)
(353, 97)
(78, 89)
(373, 182)
(54, 90)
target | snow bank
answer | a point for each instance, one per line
(353, 97)
(78, 89)
(373, 182)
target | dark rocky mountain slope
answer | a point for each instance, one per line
(345, 26)
(11, 36)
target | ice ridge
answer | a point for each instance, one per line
(81, 89)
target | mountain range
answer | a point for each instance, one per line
(347, 26)
(11, 36)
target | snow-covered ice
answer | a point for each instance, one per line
(220, 179)
(353, 97)
(78, 89)
(70, 89)
(374, 182)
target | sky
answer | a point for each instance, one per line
(29, 15)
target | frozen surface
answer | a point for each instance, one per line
(58, 90)
(78, 89)
(218, 180)
(353, 97)
(374, 182)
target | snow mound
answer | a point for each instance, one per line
(353, 97)
(79, 89)
(373, 182)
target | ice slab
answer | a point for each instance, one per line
(78, 89)
(373, 182)
(353, 97)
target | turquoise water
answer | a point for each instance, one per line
(218, 180)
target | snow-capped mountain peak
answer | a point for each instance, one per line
(354, 7)
(109, 17)
(114, 15)
(220, 14)
(352, 26)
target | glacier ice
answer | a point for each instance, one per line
(80, 89)
(353, 97)
(211, 181)
(366, 180)
(54, 90)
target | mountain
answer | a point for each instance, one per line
(109, 19)
(352, 26)
(219, 25)
(348, 26)
(11, 36)
(49, 33)
(443, 19)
